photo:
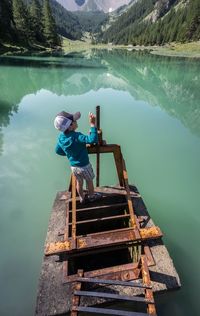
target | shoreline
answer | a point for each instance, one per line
(187, 50)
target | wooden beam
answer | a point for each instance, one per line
(73, 212)
(103, 149)
(98, 144)
(128, 196)
(118, 162)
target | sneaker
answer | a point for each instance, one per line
(84, 200)
(95, 197)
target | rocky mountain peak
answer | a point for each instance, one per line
(93, 5)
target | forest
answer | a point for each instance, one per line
(28, 25)
(150, 22)
(41, 24)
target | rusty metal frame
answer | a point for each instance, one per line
(145, 286)
(147, 281)
(103, 239)
(133, 233)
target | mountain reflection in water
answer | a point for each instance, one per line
(170, 83)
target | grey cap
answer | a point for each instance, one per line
(63, 120)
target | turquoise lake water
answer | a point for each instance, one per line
(150, 105)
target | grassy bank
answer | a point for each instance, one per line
(191, 50)
(174, 49)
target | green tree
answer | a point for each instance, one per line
(5, 20)
(21, 20)
(36, 20)
(49, 27)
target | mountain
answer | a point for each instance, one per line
(150, 22)
(93, 5)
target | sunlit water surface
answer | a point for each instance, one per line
(149, 105)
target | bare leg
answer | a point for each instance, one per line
(90, 187)
(79, 187)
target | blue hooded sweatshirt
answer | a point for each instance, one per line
(73, 145)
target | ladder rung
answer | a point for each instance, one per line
(114, 296)
(113, 282)
(101, 219)
(101, 207)
(106, 311)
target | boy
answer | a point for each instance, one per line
(73, 145)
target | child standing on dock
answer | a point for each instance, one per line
(73, 145)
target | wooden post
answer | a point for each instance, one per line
(98, 154)
(128, 195)
(73, 212)
(118, 163)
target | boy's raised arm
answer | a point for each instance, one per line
(92, 138)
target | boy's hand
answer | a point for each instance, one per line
(92, 119)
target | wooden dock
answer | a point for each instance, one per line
(54, 294)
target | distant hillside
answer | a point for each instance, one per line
(150, 22)
(91, 21)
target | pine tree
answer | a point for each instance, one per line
(49, 27)
(36, 20)
(6, 29)
(21, 20)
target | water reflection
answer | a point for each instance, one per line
(170, 83)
